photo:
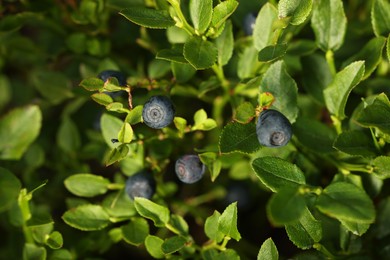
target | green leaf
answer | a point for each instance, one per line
(135, 115)
(371, 54)
(125, 135)
(34, 252)
(296, 10)
(347, 202)
(227, 222)
(180, 124)
(179, 223)
(117, 154)
(111, 126)
(263, 32)
(245, 112)
(228, 254)
(239, 137)
(329, 24)
(212, 163)
(68, 137)
(336, 94)
(148, 209)
(268, 251)
(317, 76)
(10, 189)
(55, 240)
(136, 231)
(248, 63)
(222, 11)
(376, 114)
(87, 217)
(149, 18)
(153, 246)
(272, 52)
(118, 205)
(201, 54)
(201, 12)
(173, 244)
(92, 84)
(211, 227)
(381, 166)
(54, 86)
(182, 72)
(86, 185)
(355, 143)
(302, 48)
(282, 86)
(380, 17)
(225, 44)
(175, 55)
(201, 122)
(286, 206)
(18, 130)
(277, 173)
(314, 134)
(306, 231)
(102, 99)
(61, 254)
(356, 228)
(388, 47)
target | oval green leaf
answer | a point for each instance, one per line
(86, 185)
(149, 18)
(236, 137)
(87, 217)
(10, 187)
(201, 54)
(148, 209)
(136, 231)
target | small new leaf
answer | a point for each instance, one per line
(227, 222)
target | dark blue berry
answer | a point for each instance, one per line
(189, 168)
(158, 112)
(273, 128)
(140, 184)
(249, 23)
(106, 74)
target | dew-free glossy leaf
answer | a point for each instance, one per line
(111, 126)
(286, 206)
(102, 99)
(244, 113)
(277, 173)
(18, 130)
(297, 10)
(201, 12)
(345, 201)
(381, 166)
(135, 115)
(355, 143)
(376, 114)
(135, 231)
(336, 94)
(247, 63)
(87, 217)
(86, 185)
(125, 135)
(173, 244)
(212, 163)
(225, 44)
(268, 251)
(92, 84)
(175, 55)
(117, 154)
(68, 136)
(201, 54)
(354, 227)
(153, 246)
(182, 72)
(380, 17)
(239, 137)
(149, 18)
(32, 251)
(55, 240)
(10, 187)
(272, 52)
(148, 209)
(263, 31)
(222, 11)
(55, 87)
(179, 223)
(211, 227)
(282, 86)
(227, 222)
(388, 47)
(329, 24)
(371, 54)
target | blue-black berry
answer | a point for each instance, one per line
(249, 23)
(140, 184)
(189, 168)
(104, 75)
(273, 128)
(158, 112)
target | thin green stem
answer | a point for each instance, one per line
(330, 60)
(181, 22)
(217, 193)
(323, 250)
(221, 76)
(377, 145)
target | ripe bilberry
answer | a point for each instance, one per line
(189, 168)
(249, 23)
(140, 184)
(158, 112)
(273, 128)
(104, 75)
